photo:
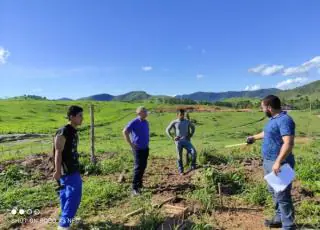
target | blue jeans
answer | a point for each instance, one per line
(140, 165)
(282, 200)
(180, 145)
(70, 198)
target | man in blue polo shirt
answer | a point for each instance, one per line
(136, 133)
(278, 141)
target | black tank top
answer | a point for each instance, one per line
(70, 156)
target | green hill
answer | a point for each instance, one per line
(212, 97)
(133, 96)
(28, 97)
(98, 97)
(311, 90)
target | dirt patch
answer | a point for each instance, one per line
(40, 164)
(5, 164)
(2, 221)
(300, 194)
(253, 169)
(239, 219)
(175, 223)
(302, 140)
(47, 220)
(162, 177)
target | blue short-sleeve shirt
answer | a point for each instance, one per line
(139, 133)
(277, 127)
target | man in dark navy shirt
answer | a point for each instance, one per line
(278, 141)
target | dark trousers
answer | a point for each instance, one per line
(140, 164)
(283, 205)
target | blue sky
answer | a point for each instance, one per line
(76, 48)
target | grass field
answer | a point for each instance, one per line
(25, 181)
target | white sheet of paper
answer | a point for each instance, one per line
(282, 180)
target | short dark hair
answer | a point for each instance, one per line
(181, 111)
(74, 110)
(273, 101)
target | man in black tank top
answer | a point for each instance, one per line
(67, 168)
(70, 157)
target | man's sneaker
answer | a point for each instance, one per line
(272, 223)
(193, 167)
(136, 192)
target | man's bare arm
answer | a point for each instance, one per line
(192, 129)
(168, 130)
(253, 138)
(126, 136)
(288, 144)
(59, 146)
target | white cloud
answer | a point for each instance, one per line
(252, 88)
(272, 70)
(146, 68)
(257, 69)
(304, 68)
(266, 70)
(314, 62)
(4, 54)
(300, 70)
(199, 76)
(291, 82)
